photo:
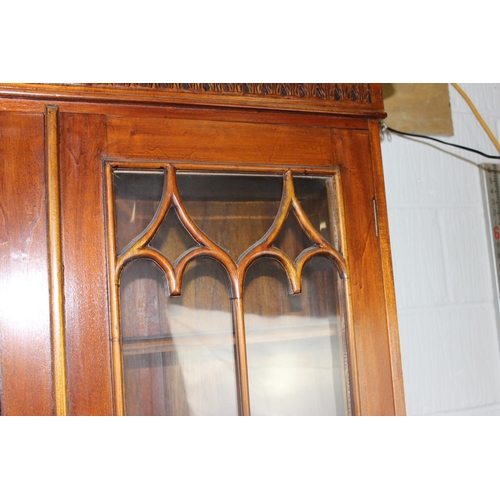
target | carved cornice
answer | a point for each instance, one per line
(360, 99)
(352, 92)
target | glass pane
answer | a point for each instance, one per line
(137, 196)
(235, 211)
(178, 352)
(317, 199)
(172, 239)
(295, 342)
(292, 239)
(219, 205)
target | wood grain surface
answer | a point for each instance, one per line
(85, 277)
(26, 368)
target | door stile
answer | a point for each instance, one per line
(114, 297)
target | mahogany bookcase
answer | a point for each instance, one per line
(195, 249)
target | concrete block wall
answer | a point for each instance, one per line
(442, 270)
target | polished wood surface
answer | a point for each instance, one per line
(368, 334)
(385, 251)
(82, 138)
(167, 138)
(102, 126)
(26, 361)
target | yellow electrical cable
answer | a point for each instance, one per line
(478, 116)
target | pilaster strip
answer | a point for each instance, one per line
(57, 323)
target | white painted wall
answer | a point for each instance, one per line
(444, 289)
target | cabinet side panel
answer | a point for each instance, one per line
(385, 250)
(24, 305)
(366, 279)
(83, 139)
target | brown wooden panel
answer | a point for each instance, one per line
(343, 98)
(53, 179)
(385, 252)
(204, 140)
(84, 256)
(161, 110)
(366, 279)
(24, 304)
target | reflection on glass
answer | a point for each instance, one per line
(137, 196)
(317, 199)
(178, 352)
(294, 342)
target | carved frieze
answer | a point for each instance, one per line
(352, 92)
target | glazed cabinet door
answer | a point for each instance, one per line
(216, 266)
